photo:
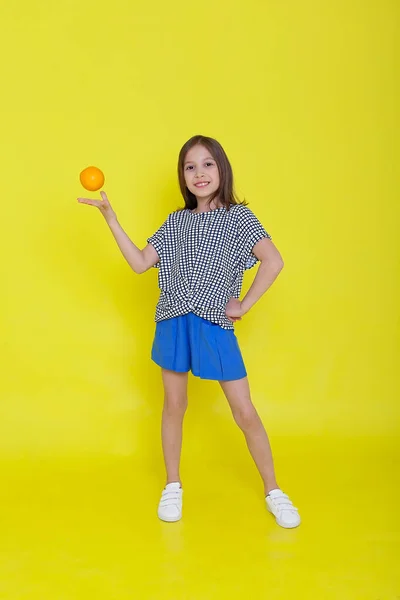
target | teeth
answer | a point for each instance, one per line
(201, 184)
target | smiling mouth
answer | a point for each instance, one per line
(202, 184)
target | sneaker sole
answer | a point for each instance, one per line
(284, 525)
(170, 519)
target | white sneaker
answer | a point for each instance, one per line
(280, 505)
(170, 507)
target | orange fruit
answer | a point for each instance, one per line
(92, 179)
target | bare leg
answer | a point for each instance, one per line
(175, 404)
(238, 395)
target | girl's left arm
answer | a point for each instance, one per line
(269, 269)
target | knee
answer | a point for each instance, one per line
(175, 405)
(246, 417)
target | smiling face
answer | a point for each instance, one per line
(201, 172)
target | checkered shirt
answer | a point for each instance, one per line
(203, 257)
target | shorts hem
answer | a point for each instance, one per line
(199, 375)
(168, 368)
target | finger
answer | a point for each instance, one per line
(89, 201)
(104, 196)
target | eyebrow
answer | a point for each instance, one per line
(190, 161)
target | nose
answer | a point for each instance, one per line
(198, 174)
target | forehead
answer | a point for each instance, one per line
(197, 153)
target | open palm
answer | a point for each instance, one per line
(103, 205)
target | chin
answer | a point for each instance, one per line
(204, 194)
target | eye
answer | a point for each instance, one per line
(209, 164)
(189, 167)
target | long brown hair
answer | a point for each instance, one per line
(225, 192)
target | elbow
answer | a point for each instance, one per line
(141, 265)
(139, 270)
(275, 266)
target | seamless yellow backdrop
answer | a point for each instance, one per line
(302, 95)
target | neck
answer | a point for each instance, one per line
(204, 205)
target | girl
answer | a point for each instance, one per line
(201, 252)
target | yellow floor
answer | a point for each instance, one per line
(78, 529)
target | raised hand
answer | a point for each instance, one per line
(103, 205)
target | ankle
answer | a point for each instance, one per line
(174, 480)
(271, 486)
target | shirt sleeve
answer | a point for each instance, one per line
(157, 241)
(250, 232)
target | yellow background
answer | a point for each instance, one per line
(302, 95)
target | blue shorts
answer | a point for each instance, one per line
(191, 343)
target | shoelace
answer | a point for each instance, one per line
(170, 497)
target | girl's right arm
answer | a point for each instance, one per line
(139, 260)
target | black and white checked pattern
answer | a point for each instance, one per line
(203, 257)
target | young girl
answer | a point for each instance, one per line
(202, 252)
